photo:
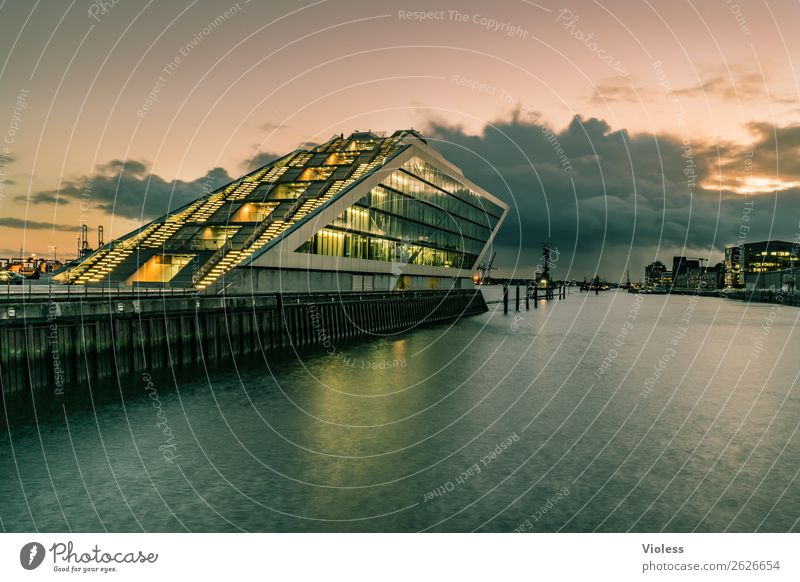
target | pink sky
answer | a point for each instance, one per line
(233, 79)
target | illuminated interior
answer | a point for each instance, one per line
(288, 191)
(160, 268)
(341, 158)
(418, 215)
(318, 173)
(254, 212)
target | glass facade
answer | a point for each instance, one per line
(773, 255)
(733, 267)
(446, 183)
(417, 215)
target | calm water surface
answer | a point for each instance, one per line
(606, 413)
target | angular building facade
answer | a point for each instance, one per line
(357, 213)
(734, 276)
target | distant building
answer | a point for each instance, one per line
(653, 272)
(767, 256)
(734, 277)
(770, 255)
(681, 265)
(696, 278)
(30, 267)
(693, 275)
(784, 280)
(716, 275)
(665, 280)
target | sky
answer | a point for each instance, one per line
(619, 132)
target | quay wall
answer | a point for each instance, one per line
(53, 343)
(765, 296)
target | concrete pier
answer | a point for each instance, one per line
(51, 344)
(765, 296)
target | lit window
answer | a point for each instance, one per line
(340, 159)
(288, 191)
(160, 268)
(213, 237)
(317, 173)
(254, 212)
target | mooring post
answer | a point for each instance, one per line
(527, 297)
(535, 296)
(505, 298)
(597, 289)
(517, 298)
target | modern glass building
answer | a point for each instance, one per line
(770, 255)
(733, 267)
(767, 256)
(361, 212)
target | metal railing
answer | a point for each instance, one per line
(44, 292)
(47, 293)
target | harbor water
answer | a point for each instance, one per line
(610, 412)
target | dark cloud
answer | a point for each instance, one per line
(33, 225)
(128, 189)
(43, 197)
(602, 195)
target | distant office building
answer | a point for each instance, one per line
(665, 280)
(653, 272)
(678, 266)
(697, 278)
(715, 276)
(784, 280)
(681, 265)
(692, 275)
(734, 276)
(768, 256)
